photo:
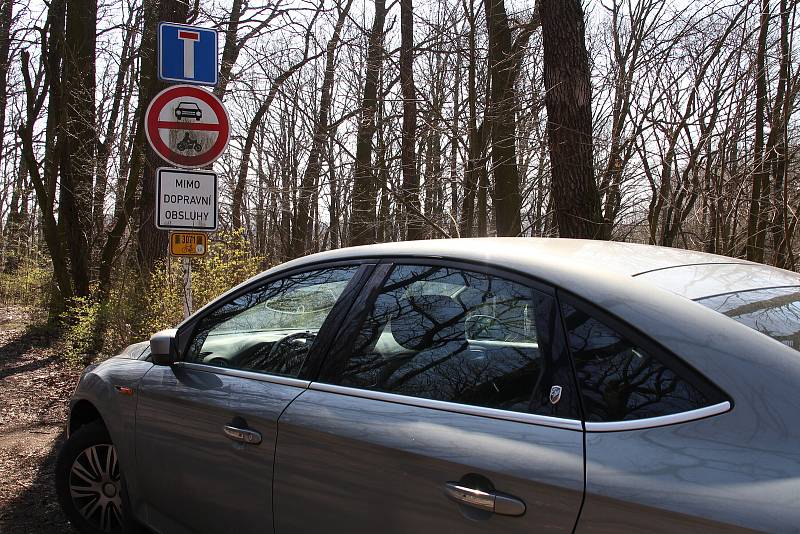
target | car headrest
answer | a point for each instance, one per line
(427, 321)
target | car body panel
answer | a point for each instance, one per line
(368, 465)
(710, 475)
(187, 466)
(101, 387)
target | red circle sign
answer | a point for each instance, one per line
(187, 126)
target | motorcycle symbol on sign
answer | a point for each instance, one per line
(187, 143)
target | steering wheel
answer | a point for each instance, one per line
(291, 352)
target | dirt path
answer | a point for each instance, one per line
(35, 386)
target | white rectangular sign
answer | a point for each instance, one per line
(186, 199)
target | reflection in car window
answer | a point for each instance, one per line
(451, 335)
(270, 329)
(774, 312)
(620, 381)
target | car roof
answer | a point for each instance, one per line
(577, 265)
(689, 273)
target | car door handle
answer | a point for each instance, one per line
(243, 435)
(495, 502)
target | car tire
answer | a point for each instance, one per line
(89, 483)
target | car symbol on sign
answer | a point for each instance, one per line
(188, 110)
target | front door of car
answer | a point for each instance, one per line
(449, 406)
(206, 427)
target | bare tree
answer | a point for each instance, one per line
(362, 220)
(569, 114)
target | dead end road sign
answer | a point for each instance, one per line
(187, 54)
(188, 244)
(186, 200)
(187, 126)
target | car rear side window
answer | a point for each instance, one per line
(774, 312)
(455, 335)
(270, 329)
(621, 380)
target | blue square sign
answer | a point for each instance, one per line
(187, 54)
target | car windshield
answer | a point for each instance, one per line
(774, 311)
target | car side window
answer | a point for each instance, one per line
(270, 329)
(452, 335)
(622, 381)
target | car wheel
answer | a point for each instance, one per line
(89, 482)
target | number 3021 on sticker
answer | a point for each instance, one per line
(188, 244)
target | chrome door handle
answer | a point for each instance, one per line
(495, 502)
(243, 435)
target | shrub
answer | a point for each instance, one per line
(228, 262)
(81, 330)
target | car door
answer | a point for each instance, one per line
(448, 405)
(206, 426)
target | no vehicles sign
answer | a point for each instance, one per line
(187, 200)
(187, 126)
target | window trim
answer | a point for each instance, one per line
(366, 299)
(451, 407)
(720, 401)
(663, 420)
(327, 332)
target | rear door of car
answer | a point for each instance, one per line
(447, 404)
(206, 427)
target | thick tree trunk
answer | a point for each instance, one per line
(569, 119)
(502, 111)
(78, 137)
(153, 242)
(363, 219)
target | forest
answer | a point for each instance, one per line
(672, 123)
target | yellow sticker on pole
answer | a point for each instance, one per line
(188, 244)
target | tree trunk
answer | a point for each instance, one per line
(760, 188)
(153, 242)
(569, 119)
(502, 110)
(473, 133)
(408, 159)
(363, 219)
(5, 49)
(230, 50)
(78, 137)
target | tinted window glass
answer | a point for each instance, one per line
(774, 312)
(618, 379)
(270, 329)
(451, 335)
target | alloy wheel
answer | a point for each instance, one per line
(95, 487)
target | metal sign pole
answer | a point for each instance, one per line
(187, 288)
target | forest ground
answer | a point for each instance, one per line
(35, 386)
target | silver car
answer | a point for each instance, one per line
(506, 385)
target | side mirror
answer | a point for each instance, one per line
(162, 347)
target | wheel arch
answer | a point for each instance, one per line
(83, 412)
